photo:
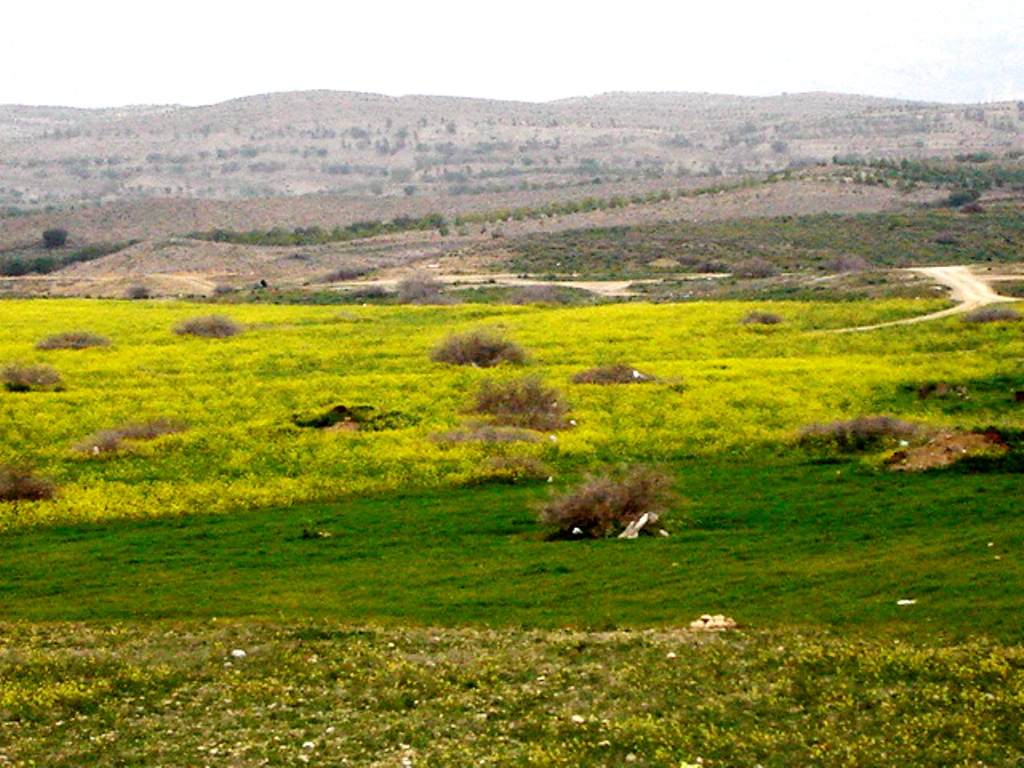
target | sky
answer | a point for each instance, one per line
(108, 53)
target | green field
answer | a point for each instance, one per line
(447, 629)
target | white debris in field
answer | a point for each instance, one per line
(906, 602)
(716, 623)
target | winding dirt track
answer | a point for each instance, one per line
(966, 288)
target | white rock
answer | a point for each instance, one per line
(238, 653)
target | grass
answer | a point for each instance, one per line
(748, 540)
(394, 592)
(182, 693)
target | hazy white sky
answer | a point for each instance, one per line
(116, 52)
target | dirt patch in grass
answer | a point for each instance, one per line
(946, 448)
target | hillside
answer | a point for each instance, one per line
(324, 142)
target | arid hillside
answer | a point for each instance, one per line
(374, 146)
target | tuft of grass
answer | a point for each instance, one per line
(113, 439)
(862, 434)
(73, 340)
(606, 503)
(209, 326)
(31, 378)
(525, 403)
(480, 349)
(612, 374)
(993, 314)
(19, 482)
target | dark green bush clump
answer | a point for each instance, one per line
(865, 433)
(356, 417)
(761, 318)
(481, 349)
(525, 403)
(605, 504)
(993, 315)
(31, 378)
(612, 374)
(209, 326)
(19, 483)
(112, 440)
(73, 340)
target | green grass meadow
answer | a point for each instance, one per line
(399, 603)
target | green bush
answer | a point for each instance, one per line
(605, 504)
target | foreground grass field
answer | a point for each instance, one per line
(880, 612)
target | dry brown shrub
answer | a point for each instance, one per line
(73, 340)
(487, 433)
(862, 434)
(525, 403)
(536, 294)
(112, 440)
(19, 482)
(422, 289)
(481, 349)
(209, 326)
(612, 374)
(604, 504)
(31, 378)
(755, 268)
(993, 315)
(761, 318)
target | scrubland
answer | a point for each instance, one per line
(276, 580)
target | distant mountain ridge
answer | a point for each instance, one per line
(361, 144)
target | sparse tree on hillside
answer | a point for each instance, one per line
(55, 238)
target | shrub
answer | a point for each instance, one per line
(28, 378)
(846, 263)
(536, 294)
(111, 440)
(865, 433)
(208, 326)
(481, 349)
(992, 315)
(761, 318)
(421, 289)
(525, 403)
(612, 374)
(605, 504)
(487, 433)
(754, 268)
(343, 274)
(136, 292)
(55, 238)
(73, 340)
(20, 483)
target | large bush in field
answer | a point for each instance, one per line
(606, 503)
(525, 403)
(481, 349)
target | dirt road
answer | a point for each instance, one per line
(968, 289)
